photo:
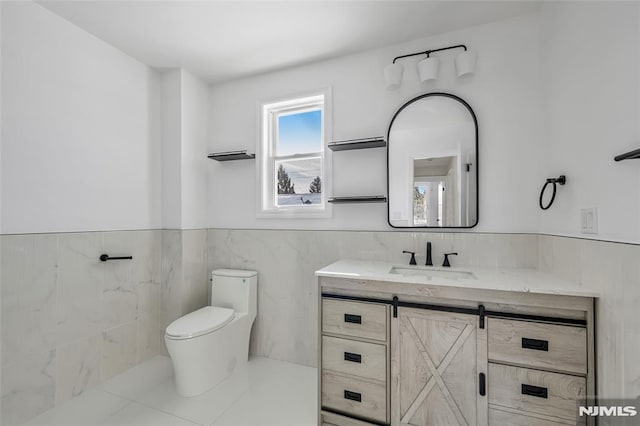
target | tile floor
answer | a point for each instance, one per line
(145, 396)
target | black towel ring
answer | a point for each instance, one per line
(562, 179)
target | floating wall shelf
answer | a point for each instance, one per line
(231, 155)
(358, 144)
(358, 199)
(635, 154)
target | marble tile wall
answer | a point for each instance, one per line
(184, 274)
(70, 321)
(285, 327)
(613, 269)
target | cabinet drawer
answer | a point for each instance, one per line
(535, 391)
(539, 345)
(501, 418)
(367, 360)
(333, 419)
(352, 396)
(358, 319)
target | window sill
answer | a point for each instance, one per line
(323, 213)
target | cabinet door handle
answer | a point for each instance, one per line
(536, 391)
(351, 357)
(353, 396)
(482, 386)
(535, 344)
(354, 319)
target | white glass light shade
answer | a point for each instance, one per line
(393, 76)
(428, 69)
(466, 63)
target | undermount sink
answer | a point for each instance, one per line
(431, 273)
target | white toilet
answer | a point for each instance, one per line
(208, 344)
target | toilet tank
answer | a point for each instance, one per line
(236, 289)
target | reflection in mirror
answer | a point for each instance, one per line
(433, 170)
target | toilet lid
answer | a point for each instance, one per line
(199, 322)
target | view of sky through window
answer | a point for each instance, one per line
(300, 133)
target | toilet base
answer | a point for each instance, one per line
(202, 362)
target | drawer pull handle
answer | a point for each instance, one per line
(353, 396)
(351, 357)
(354, 319)
(536, 391)
(535, 344)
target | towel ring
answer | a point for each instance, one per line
(562, 179)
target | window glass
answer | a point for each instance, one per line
(299, 133)
(298, 182)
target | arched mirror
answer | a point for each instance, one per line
(433, 164)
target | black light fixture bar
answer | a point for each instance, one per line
(231, 155)
(631, 155)
(429, 52)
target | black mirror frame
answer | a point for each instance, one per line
(475, 122)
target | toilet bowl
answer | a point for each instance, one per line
(207, 345)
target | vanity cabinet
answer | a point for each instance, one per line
(426, 355)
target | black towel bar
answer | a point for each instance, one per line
(635, 154)
(105, 257)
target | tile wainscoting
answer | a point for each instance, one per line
(613, 269)
(70, 322)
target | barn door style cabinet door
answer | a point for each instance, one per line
(434, 365)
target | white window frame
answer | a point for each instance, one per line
(268, 111)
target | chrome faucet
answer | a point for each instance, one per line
(429, 261)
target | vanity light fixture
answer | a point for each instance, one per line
(428, 67)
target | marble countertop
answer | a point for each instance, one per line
(516, 280)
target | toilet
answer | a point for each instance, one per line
(207, 345)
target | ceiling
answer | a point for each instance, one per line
(224, 40)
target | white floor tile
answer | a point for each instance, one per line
(279, 385)
(266, 392)
(202, 409)
(140, 379)
(88, 409)
(136, 414)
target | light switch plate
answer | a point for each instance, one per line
(589, 221)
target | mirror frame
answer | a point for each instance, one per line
(475, 122)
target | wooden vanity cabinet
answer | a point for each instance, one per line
(524, 359)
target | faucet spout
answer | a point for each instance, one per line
(429, 260)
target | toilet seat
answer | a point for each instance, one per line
(200, 322)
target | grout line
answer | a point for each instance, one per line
(389, 231)
(113, 393)
(233, 404)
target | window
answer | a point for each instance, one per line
(292, 167)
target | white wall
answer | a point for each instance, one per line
(195, 164)
(185, 102)
(592, 99)
(505, 94)
(80, 129)
(171, 149)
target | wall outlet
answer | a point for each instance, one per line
(589, 221)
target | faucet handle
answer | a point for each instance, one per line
(446, 263)
(413, 257)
